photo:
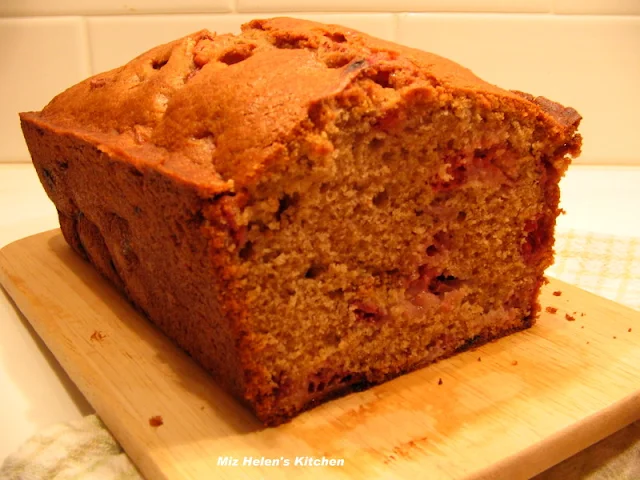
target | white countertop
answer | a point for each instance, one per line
(36, 392)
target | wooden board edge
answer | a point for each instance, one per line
(142, 461)
(566, 443)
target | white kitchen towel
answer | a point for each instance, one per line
(82, 449)
(606, 265)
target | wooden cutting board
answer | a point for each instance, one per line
(508, 410)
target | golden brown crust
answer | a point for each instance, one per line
(182, 107)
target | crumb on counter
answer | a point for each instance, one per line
(97, 336)
(614, 337)
(582, 314)
(629, 330)
(551, 309)
(570, 318)
(156, 421)
(557, 293)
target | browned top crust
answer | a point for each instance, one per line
(216, 110)
(565, 116)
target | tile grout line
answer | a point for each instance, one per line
(87, 46)
(395, 27)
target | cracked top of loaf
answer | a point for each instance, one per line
(217, 110)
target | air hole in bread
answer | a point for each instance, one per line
(113, 268)
(314, 271)
(443, 284)
(287, 201)
(336, 37)
(383, 79)
(346, 379)
(480, 153)
(432, 250)
(325, 379)
(203, 134)
(246, 251)
(368, 310)
(237, 55)
(258, 25)
(376, 143)
(158, 64)
(381, 199)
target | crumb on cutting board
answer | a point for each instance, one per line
(629, 330)
(557, 293)
(569, 318)
(480, 358)
(156, 421)
(440, 382)
(97, 336)
(551, 309)
(514, 363)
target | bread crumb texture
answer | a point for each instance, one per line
(156, 421)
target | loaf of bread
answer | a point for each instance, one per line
(305, 209)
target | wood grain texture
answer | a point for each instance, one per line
(509, 409)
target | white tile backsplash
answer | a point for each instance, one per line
(101, 7)
(116, 40)
(40, 57)
(583, 53)
(589, 63)
(394, 6)
(598, 7)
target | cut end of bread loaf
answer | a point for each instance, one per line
(305, 209)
